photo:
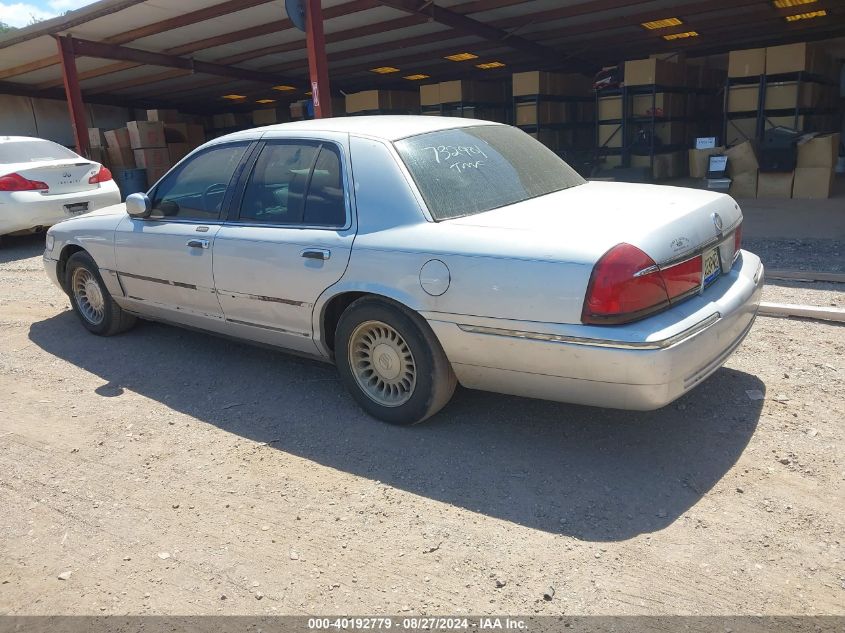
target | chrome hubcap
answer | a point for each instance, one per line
(382, 363)
(88, 296)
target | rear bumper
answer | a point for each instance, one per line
(640, 366)
(24, 210)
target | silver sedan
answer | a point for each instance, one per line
(421, 252)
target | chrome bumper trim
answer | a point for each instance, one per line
(593, 342)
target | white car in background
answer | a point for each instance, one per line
(42, 182)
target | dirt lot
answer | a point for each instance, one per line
(167, 471)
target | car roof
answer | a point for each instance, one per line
(387, 127)
(19, 139)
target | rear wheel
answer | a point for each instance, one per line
(392, 363)
(91, 300)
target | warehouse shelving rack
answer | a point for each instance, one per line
(762, 114)
(460, 108)
(648, 123)
(573, 152)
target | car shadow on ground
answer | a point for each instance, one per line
(17, 247)
(595, 474)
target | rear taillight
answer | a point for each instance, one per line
(625, 285)
(737, 239)
(683, 278)
(16, 182)
(104, 175)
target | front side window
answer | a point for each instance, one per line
(296, 183)
(195, 191)
(470, 170)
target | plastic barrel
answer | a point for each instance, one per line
(130, 181)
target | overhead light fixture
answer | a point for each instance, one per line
(461, 57)
(490, 65)
(785, 4)
(234, 97)
(384, 70)
(283, 88)
(806, 16)
(680, 36)
(661, 24)
(416, 77)
(264, 101)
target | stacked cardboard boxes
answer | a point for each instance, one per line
(119, 149)
(812, 177)
(814, 172)
(382, 101)
(558, 109)
(149, 145)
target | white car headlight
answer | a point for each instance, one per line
(50, 241)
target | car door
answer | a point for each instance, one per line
(289, 240)
(164, 261)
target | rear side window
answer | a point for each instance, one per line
(34, 151)
(296, 183)
(195, 191)
(470, 170)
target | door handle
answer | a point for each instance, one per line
(316, 253)
(198, 243)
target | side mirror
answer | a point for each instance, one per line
(138, 205)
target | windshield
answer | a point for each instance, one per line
(470, 170)
(33, 151)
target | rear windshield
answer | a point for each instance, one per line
(33, 151)
(470, 170)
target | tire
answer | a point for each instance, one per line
(413, 379)
(91, 300)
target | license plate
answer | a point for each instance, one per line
(76, 208)
(712, 266)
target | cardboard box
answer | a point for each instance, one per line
(740, 130)
(642, 72)
(196, 134)
(154, 174)
(664, 103)
(666, 164)
(152, 158)
(609, 161)
(267, 116)
(699, 160)
(610, 135)
(178, 151)
(121, 157)
(812, 183)
(676, 57)
(670, 133)
(792, 58)
(747, 63)
(164, 116)
(381, 100)
(774, 184)
(96, 138)
(743, 185)
(548, 111)
(99, 155)
(787, 96)
(146, 134)
(610, 108)
(465, 90)
(536, 82)
(742, 159)
(118, 138)
(430, 94)
(818, 151)
(176, 133)
(743, 98)
(788, 121)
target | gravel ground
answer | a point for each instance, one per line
(171, 472)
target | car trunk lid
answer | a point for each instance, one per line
(667, 223)
(61, 176)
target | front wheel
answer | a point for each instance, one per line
(392, 363)
(91, 300)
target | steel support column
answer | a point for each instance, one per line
(318, 64)
(73, 94)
